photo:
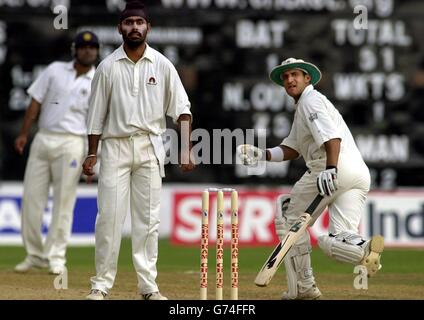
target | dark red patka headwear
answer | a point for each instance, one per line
(133, 8)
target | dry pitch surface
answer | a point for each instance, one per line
(402, 276)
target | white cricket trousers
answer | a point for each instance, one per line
(129, 176)
(54, 158)
(345, 206)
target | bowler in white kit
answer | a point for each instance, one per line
(133, 91)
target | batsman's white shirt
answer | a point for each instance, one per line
(128, 107)
(316, 121)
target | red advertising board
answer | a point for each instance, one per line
(256, 218)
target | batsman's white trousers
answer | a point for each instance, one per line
(345, 206)
(54, 158)
(129, 175)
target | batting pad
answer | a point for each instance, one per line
(341, 250)
(299, 270)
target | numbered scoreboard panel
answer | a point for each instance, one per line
(370, 54)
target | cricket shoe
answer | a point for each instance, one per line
(96, 294)
(373, 250)
(312, 293)
(153, 296)
(31, 263)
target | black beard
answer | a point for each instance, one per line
(133, 44)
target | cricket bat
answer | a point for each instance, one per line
(273, 262)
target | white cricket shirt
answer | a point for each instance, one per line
(316, 121)
(128, 97)
(63, 97)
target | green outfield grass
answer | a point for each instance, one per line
(402, 276)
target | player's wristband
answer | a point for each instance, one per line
(331, 167)
(277, 154)
(91, 155)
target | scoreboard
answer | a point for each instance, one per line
(369, 51)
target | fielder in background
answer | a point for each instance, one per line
(60, 99)
(336, 170)
(133, 91)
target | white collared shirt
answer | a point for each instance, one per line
(128, 97)
(63, 97)
(317, 121)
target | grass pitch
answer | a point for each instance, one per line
(402, 276)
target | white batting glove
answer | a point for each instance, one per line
(327, 182)
(280, 221)
(279, 227)
(250, 155)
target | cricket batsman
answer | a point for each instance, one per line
(335, 170)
